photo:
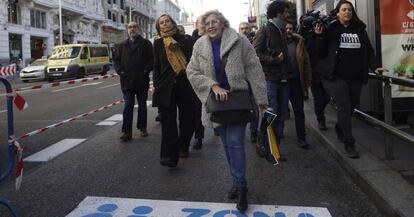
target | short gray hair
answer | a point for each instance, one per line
(203, 18)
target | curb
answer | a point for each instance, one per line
(390, 192)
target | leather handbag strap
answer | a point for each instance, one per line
(223, 65)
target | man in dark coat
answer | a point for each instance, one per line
(133, 63)
(271, 47)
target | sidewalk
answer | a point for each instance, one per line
(390, 184)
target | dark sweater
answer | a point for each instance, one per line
(349, 66)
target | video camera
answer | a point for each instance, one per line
(311, 19)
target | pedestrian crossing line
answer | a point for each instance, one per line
(117, 117)
(54, 150)
(149, 103)
(107, 206)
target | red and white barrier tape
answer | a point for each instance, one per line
(56, 84)
(68, 120)
(6, 71)
(19, 149)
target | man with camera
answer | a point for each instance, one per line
(271, 48)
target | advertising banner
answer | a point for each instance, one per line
(397, 40)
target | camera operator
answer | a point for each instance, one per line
(345, 54)
(320, 97)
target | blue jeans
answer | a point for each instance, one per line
(278, 95)
(232, 137)
(128, 113)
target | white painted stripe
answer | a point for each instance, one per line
(149, 103)
(54, 150)
(83, 85)
(106, 123)
(106, 206)
(116, 117)
(108, 86)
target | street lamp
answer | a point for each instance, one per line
(60, 22)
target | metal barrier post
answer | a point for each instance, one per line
(11, 148)
(388, 140)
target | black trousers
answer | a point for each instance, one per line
(199, 128)
(320, 100)
(174, 139)
(128, 113)
(346, 94)
(296, 99)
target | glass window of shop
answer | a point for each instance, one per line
(38, 19)
(15, 47)
(14, 15)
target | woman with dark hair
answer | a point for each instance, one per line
(346, 55)
(172, 90)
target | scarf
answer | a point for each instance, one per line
(175, 55)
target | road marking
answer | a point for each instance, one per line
(54, 150)
(112, 85)
(106, 123)
(83, 85)
(116, 117)
(106, 206)
(148, 104)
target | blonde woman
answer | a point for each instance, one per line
(172, 90)
(242, 68)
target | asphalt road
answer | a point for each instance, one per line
(103, 166)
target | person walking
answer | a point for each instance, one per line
(299, 82)
(172, 90)
(133, 63)
(346, 54)
(246, 30)
(271, 46)
(222, 50)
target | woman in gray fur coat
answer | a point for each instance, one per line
(242, 67)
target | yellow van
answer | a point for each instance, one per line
(77, 60)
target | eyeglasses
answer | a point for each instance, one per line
(212, 23)
(134, 26)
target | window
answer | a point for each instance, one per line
(14, 14)
(99, 51)
(109, 1)
(114, 17)
(114, 1)
(122, 4)
(122, 19)
(38, 19)
(109, 15)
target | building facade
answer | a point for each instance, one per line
(169, 7)
(31, 28)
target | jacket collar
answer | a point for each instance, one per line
(228, 40)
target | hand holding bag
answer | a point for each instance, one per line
(239, 108)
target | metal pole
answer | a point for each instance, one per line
(60, 23)
(388, 143)
(130, 14)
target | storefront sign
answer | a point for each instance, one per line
(397, 37)
(105, 206)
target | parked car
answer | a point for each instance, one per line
(34, 71)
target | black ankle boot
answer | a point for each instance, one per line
(242, 202)
(233, 193)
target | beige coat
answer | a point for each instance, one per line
(242, 65)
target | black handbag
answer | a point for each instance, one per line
(239, 108)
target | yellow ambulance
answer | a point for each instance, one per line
(77, 60)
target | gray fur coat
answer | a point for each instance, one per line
(242, 66)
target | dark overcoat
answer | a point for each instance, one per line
(164, 76)
(134, 65)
